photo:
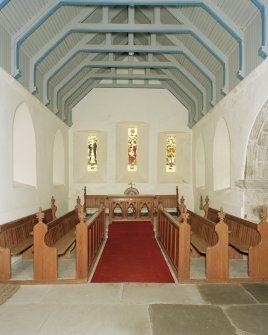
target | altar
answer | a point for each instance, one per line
(131, 207)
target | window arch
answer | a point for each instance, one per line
(24, 147)
(58, 159)
(200, 165)
(221, 156)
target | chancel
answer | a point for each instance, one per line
(134, 167)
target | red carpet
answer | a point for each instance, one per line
(132, 254)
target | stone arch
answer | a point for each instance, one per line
(256, 167)
(255, 183)
(24, 148)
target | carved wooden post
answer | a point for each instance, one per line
(53, 208)
(206, 207)
(177, 200)
(82, 247)
(258, 255)
(85, 200)
(5, 264)
(182, 208)
(184, 247)
(217, 261)
(78, 206)
(45, 258)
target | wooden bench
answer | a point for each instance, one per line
(246, 237)
(242, 233)
(16, 238)
(210, 240)
(57, 238)
(169, 202)
(92, 202)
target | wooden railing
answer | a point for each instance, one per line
(175, 239)
(89, 237)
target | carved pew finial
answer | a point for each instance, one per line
(206, 206)
(185, 215)
(263, 214)
(78, 205)
(182, 206)
(85, 200)
(201, 206)
(40, 215)
(221, 215)
(81, 215)
(53, 208)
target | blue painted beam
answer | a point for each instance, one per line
(3, 3)
(97, 49)
(209, 45)
(101, 76)
(263, 51)
(89, 63)
(53, 8)
(127, 49)
(201, 67)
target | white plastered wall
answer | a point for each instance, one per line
(239, 109)
(109, 111)
(20, 201)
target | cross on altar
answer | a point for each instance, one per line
(131, 184)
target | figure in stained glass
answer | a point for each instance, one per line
(92, 153)
(132, 149)
(171, 154)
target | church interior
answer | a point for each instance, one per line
(134, 131)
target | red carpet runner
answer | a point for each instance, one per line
(132, 254)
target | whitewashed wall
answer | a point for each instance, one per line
(239, 109)
(103, 109)
(19, 201)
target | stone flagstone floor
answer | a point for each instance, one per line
(137, 309)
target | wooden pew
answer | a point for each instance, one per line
(57, 238)
(174, 237)
(93, 202)
(169, 201)
(210, 240)
(16, 239)
(246, 237)
(90, 235)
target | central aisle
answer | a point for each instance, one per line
(132, 254)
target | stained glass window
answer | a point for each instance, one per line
(132, 149)
(171, 154)
(92, 153)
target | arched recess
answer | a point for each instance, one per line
(255, 182)
(221, 157)
(24, 148)
(200, 164)
(257, 150)
(58, 159)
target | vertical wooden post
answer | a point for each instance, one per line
(53, 208)
(5, 264)
(177, 200)
(45, 258)
(217, 261)
(81, 247)
(206, 207)
(184, 247)
(85, 200)
(258, 255)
